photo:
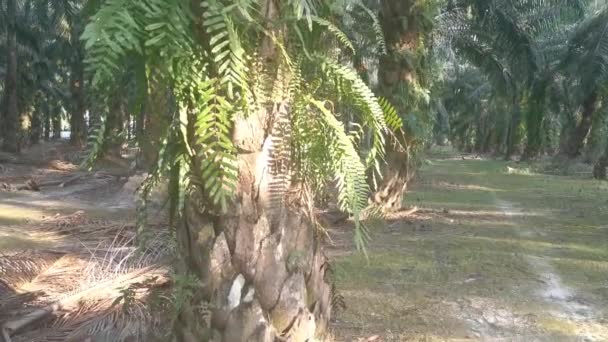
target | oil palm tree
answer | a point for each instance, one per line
(586, 68)
(403, 79)
(254, 92)
(44, 60)
(515, 49)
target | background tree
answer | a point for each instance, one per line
(10, 119)
(403, 79)
(531, 67)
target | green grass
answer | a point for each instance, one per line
(465, 247)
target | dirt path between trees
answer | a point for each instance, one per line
(565, 302)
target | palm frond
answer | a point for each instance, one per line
(380, 41)
(366, 100)
(348, 170)
(339, 34)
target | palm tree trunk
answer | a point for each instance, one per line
(78, 125)
(513, 134)
(599, 169)
(398, 21)
(534, 124)
(11, 114)
(115, 126)
(56, 122)
(36, 128)
(580, 133)
(78, 128)
(47, 124)
(261, 267)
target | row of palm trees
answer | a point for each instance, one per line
(44, 71)
(527, 76)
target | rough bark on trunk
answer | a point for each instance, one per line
(11, 114)
(599, 169)
(262, 271)
(398, 21)
(577, 139)
(261, 266)
(396, 175)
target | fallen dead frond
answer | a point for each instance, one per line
(79, 294)
(21, 267)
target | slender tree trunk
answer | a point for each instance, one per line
(78, 126)
(47, 123)
(577, 139)
(596, 138)
(36, 128)
(443, 124)
(11, 114)
(513, 132)
(599, 169)
(261, 267)
(114, 126)
(396, 72)
(481, 130)
(144, 137)
(152, 122)
(534, 124)
(129, 127)
(56, 122)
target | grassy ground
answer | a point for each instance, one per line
(495, 252)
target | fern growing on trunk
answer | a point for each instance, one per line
(255, 133)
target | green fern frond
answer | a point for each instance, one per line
(380, 41)
(115, 19)
(392, 118)
(367, 102)
(339, 34)
(304, 9)
(348, 170)
(95, 144)
(167, 25)
(227, 52)
(214, 148)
